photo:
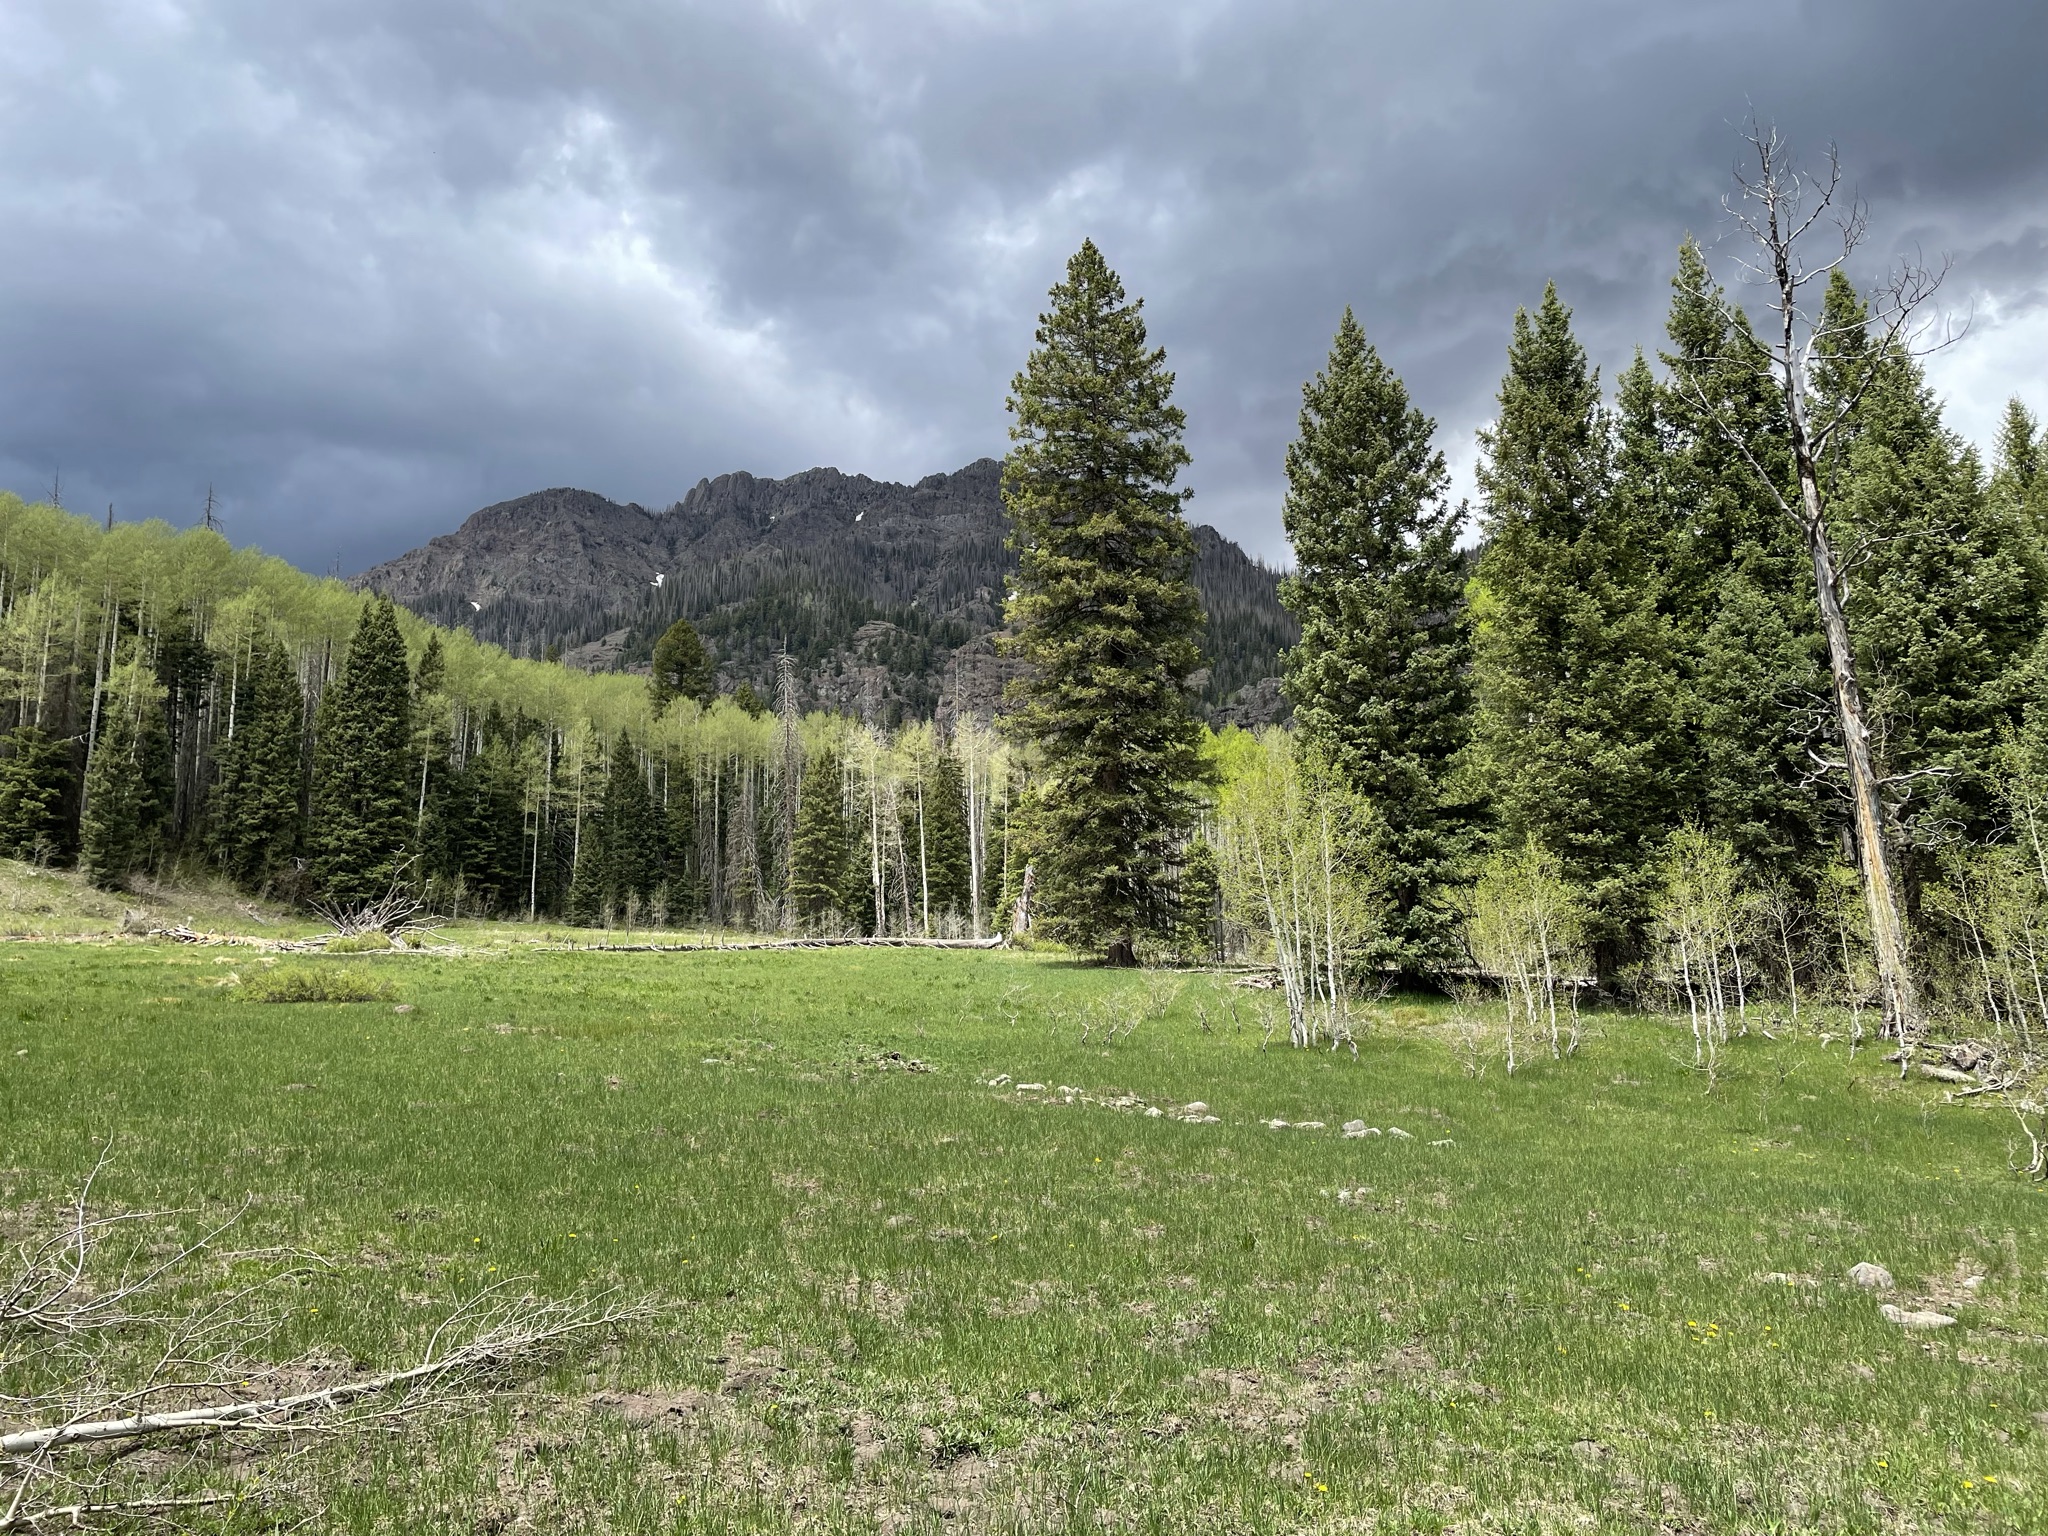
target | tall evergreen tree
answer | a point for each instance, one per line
(1739, 585)
(682, 667)
(1946, 606)
(255, 817)
(2019, 487)
(362, 814)
(821, 852)
(36, 800)
(1573, 665)
(1104, 611)
(1380, 681)
(632, 836)
(119, 808)
(944, 848)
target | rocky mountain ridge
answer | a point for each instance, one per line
(888, 595)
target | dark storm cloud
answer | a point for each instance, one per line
(365, 266)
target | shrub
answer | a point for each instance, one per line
(317, 984)
(359, 943)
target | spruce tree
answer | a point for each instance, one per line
(1946, 608)
(1573, 667)
(945, 835)
(632, 839)
(820, 853)
(115, 824)
(1380, 679)
(362, 816)
(2019, 488)
(1104, 611)
(36, 783)
(1739, 585)
(253, 829)
(682, 667)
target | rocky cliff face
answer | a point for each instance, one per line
(886, 594)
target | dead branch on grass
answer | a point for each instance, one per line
(123, 1369)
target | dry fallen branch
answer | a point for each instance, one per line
(125, 1369)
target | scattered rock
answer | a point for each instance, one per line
(1276, 1125)
(1196, 1108)
(1396, 1131)
(1308, 1125)
(1974, 1283)
(1872, 1277)
(1907, 1319)
(1945, 1074)
(999, 1080)
(1448, 1141)
(1031, 1087)
(403, 1008)
(1354, 1129)
(1154, 1112)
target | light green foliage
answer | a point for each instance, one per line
(362, 816)
(1298, 859)
(1526, 927)
(317, 984)
(1104, 610)
(1380, 681)
(1576, 726)
(1705, 918)
(1182, 1326)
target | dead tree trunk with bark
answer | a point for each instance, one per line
(1778, 207)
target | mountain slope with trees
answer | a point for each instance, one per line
(886, 594)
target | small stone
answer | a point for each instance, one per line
(1872, 1277)
(403, 1008)
(1974, 1283)
(1276, 1125)
(999, 1080)
(1308, 1125)
(1395, 1130)
(1031, 1087)
(1154, 1112)
(1363, 1130)
(1907, 1319)
(1196, 1108)
(1354, 1127)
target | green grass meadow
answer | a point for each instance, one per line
(1602, 1294)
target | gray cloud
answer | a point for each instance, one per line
(367, 264)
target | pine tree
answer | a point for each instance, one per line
(362, 815)
(1946, 608)
(1739, 587)
(821, 852)
(253, 830)
(682, 668)
(631, 837)
(934, 807)
(2019, 488)
(1104, 610)
(115, 824)
(36, 782)
(1379, 681)
(1573, 667)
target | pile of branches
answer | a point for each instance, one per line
(96, 1362)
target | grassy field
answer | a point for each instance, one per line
(914, 1296)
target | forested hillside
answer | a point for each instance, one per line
(874, 587)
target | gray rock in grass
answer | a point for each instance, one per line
(1872, 1277)
(1906, 1319)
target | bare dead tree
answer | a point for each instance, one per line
(1779, 208)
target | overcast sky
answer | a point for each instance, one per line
(367, 265)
